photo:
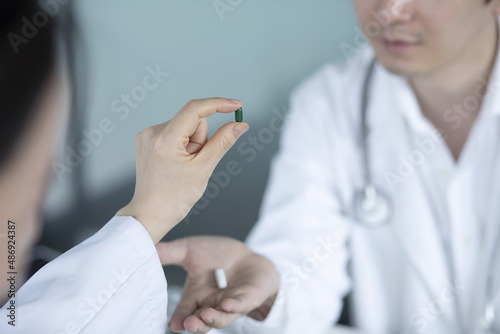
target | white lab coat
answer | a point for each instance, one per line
(111, 283)
(397, 274)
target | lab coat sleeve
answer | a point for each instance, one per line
(111, 283)
(302, 227)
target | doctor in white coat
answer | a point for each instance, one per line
(432, 141)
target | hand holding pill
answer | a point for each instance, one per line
(174, 161)
(226, 281)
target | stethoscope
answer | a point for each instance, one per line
(372, 208)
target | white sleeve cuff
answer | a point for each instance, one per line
(135, 232)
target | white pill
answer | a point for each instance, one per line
(220, 278)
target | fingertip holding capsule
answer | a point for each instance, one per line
(235, 101)
(240, 129)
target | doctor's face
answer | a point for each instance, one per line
(419, 37)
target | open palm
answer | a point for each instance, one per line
(252, 282)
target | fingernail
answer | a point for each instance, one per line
(208, 320)
(235, 101)
(240, 129)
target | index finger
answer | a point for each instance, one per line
(187, 119)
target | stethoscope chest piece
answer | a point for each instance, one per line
(371, 207)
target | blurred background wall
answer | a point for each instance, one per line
(256, 51)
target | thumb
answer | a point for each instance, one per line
(173, 252)
(217, 146)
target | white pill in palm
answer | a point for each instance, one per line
(220, 278)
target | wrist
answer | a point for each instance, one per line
(156, 225)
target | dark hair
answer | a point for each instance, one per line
(27, 58)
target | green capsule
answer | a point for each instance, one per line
(239, 115)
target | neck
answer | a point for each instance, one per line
(473, 66)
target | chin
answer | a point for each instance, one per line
(400, 67)
(398, 70)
